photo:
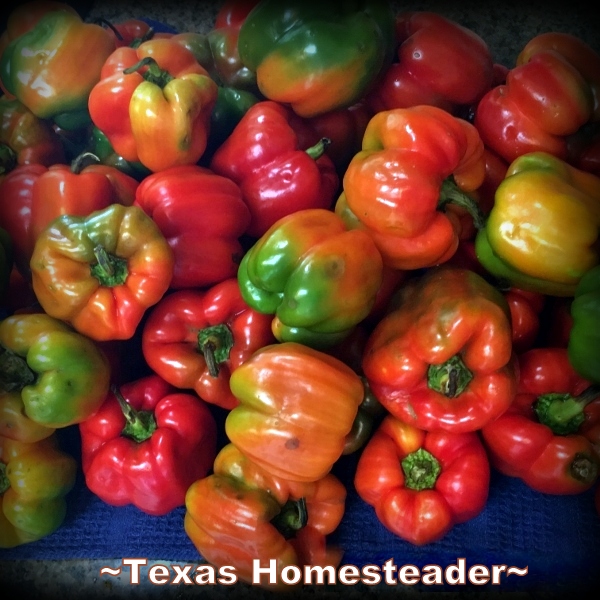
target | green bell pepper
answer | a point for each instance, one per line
(584, 337)
(317, 56)
(62, 376)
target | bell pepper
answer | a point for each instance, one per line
(541, 437)
(6, 265)
(421, 484)
(202, 216)
(317, 57)
(276, 176)
(102, 271)
(439, 62)
(564, 204)
(35, 479)
(443, 356)
(147, 443)
(60, 376)
(317, 278)
(241, 513)
(53, 67)
(525, 316)
(232, 13)
(153, 103)
(546, 98)
(415, 164)
(297, 406)
(195, 339)
(32, 139)
(584, 340)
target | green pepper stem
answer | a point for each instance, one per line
(421, 470)
(8, 159)
(450, 378)
(292, 517)
(4, 481)
(140, 424)
(153, 74)
(564, 413)
(83, 160)
(109, 270)
(318, 149)
(15, 373)
(450, 193)
(215, 343)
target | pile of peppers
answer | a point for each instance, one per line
(328, 228)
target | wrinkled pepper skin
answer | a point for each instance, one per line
(101, 272)
(297, 405)
(241, 512)
(584, 337)
(564, 204)
(421, 484)
(195, 339)
(60, 375)
(53, 67)
(549, 436)
(316, 57)
(34, 481)
(442, 359)
(415, 163)
(317, 278)
(148, 446)
(439, 63)
(202, 216)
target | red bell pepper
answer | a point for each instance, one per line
(421, 483)
(195, 339)
(443, 357)
(439, 63)
(202, 216)
(147, 443)
(525, 312)
(276, 175)
(550, 435)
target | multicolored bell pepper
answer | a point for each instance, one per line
(59, 376)
(416, 165)
(549, 437)
(316, 277)
(442, 359)
(563, 204)
(35, 479)
(146, 444)
(316, 56)
(297, 405)
(101, 272)
(52, 67)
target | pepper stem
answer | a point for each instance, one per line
(563, 413)
(83, 160)
(215, 343)
(421, 470)
(450, 378)
(292, 517)
(15, 374)
(8, 159)
(4, 481)
(450, 193)
(153, 74)
(318, 149)
(584, 468)
(140, 425)
(110, 270)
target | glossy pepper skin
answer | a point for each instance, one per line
(563, 203)
(59, 375)
(195, 339)
(153, 103)
(316, 56)
(547, 435)
(415, 163)
(101, 272)
(241, 512)
(202, 216)
(297, 406)
(34, 481)
(421, 484)
(583, 342)
(548, 96)
(277, 176)
(442, 359)
(147, 443)
(439, 63)
(53, 67)
(316, 277)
